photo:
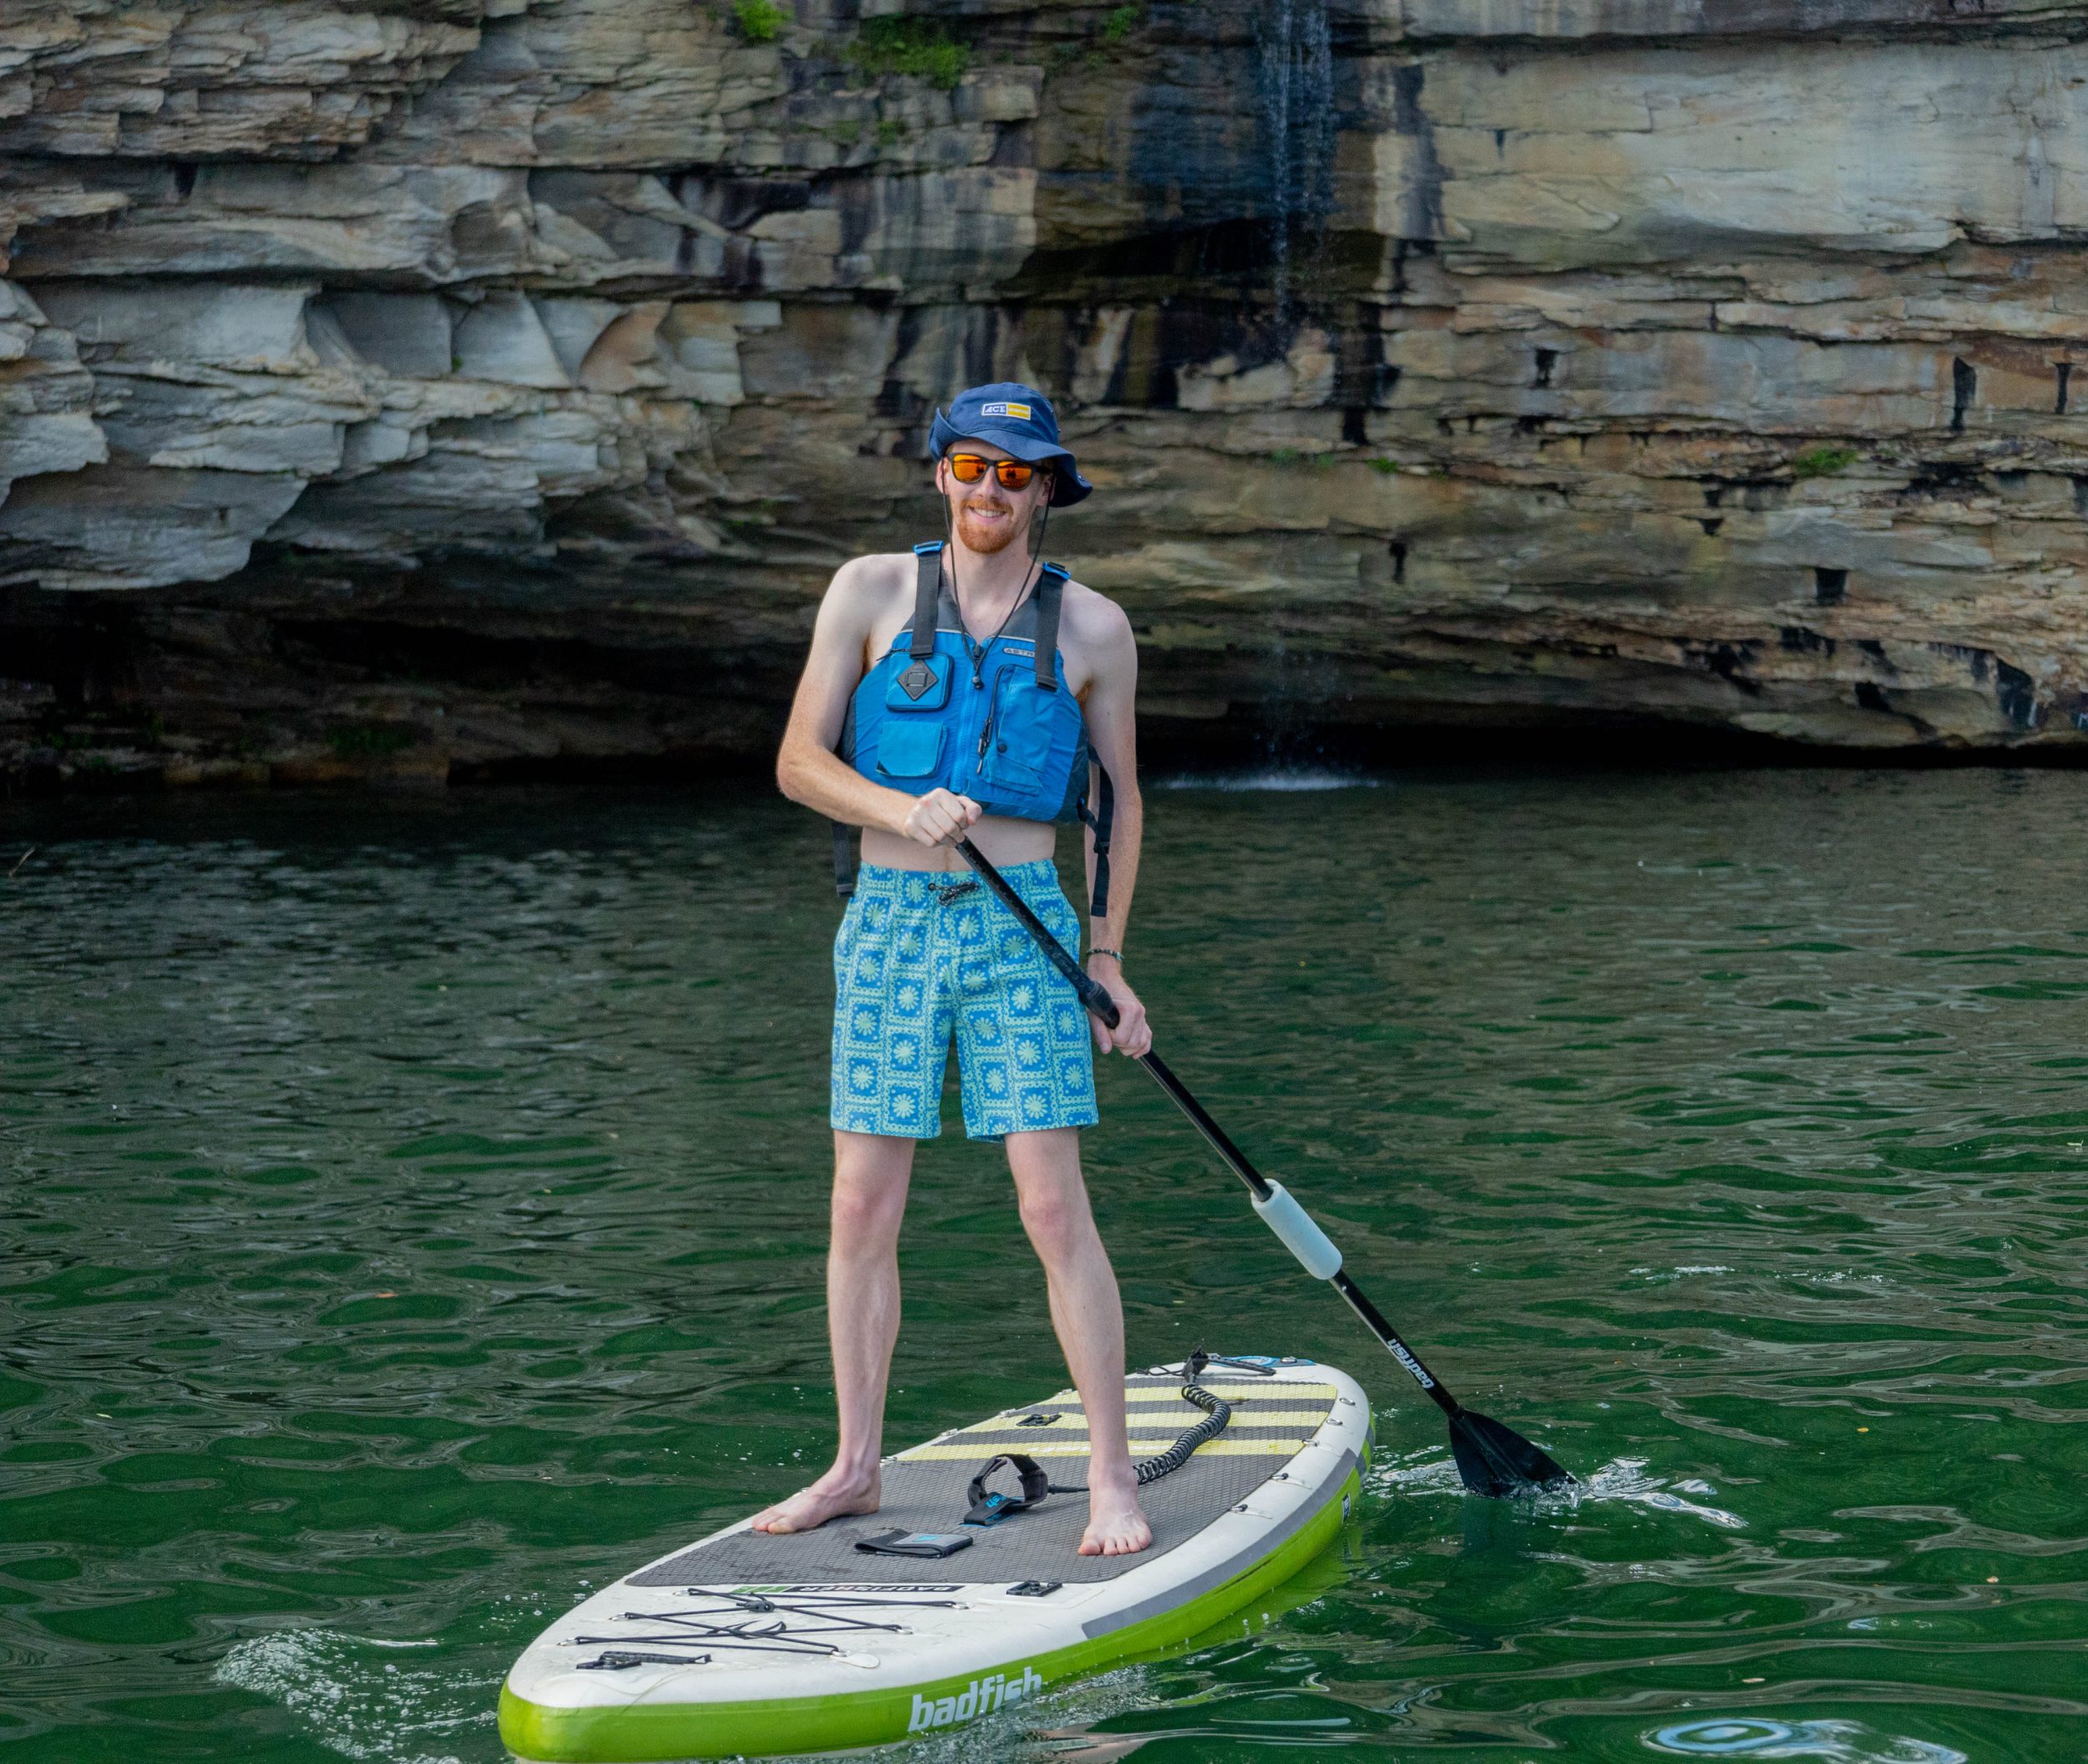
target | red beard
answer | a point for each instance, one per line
(985, 538)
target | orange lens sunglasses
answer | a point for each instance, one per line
(1014, 474)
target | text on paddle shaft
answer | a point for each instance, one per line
(1412, 1364)
(981, 1696)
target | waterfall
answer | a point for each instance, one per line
(1295, 77)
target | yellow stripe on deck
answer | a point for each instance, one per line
(1288, 1392)
(1078, 1423)
(1222, 1447)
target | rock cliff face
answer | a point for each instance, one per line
(391, 386)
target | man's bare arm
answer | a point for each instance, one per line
(1110, 709)
(808, 769)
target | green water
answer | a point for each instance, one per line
(414, 1208)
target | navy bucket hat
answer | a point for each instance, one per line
(1020, 420)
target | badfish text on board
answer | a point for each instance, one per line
(981, 1696)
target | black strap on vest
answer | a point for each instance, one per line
(1101, 821)
(927, 590)
(845, 834)
(1049, 586)
(843, 858)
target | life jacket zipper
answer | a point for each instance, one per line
(978, 680)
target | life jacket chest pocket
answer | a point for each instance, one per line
(1018, 741)
(907, 749)
(922, 685)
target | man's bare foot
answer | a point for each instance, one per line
(1116, 1525)
(834, 1496)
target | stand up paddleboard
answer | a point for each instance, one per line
(746, 1644)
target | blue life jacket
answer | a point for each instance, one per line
(995, 722)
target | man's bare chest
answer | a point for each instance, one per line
(896, 615)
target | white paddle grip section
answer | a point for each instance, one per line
(1302, 1237)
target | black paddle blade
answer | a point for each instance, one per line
(1498, 1461)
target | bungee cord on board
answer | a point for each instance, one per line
(694, 1628)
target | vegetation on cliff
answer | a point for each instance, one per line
(476, 369)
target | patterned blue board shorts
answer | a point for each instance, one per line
(921, 955)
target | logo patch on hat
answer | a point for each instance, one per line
(1018, 411)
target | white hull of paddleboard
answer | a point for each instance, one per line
(967, 1653)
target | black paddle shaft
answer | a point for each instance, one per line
(1097, 999)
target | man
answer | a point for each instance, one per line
(968, 723)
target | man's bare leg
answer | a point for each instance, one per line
(1088, 1316)
(871, 1174)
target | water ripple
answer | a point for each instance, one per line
(415, 1211)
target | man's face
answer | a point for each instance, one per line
(987, 517)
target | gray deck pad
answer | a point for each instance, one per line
(924, 1490)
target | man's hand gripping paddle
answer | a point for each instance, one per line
(1492, 1459)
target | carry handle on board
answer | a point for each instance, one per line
(1492, 1459)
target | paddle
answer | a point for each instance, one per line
(1492, 1459)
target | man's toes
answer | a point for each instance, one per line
(773, 1519)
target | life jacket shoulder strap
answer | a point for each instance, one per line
(927, 590)
(1051, 584)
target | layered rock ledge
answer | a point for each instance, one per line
(412, 389)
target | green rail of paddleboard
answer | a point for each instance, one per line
(645, 1731)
